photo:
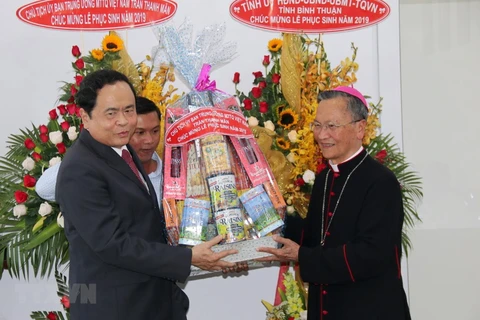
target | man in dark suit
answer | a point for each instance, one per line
(112, 218)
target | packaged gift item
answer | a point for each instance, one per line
(260, 209)
(193, 229)
(226, 207)
(216, 177)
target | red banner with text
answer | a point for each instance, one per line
(309, 16)
(93, 15)
(205, 121)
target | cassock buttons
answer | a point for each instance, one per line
(330, 214)
(325, 312)
(327, 233)
(324, 292)
(336, 174)
(332, 193)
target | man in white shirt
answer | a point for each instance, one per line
(144, 141)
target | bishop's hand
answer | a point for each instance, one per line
(288, 252)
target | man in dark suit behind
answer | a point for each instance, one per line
(112, 218)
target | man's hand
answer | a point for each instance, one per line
(204, 258)
(289, 251)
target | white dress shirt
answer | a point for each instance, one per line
(45, 186)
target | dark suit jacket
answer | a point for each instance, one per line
(120, 266)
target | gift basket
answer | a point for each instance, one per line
(216, 179)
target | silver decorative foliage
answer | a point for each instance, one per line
(179, 47)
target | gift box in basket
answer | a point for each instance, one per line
(216, 179)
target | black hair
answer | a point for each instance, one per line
(354, 105)
(86, 97)
(145, 106)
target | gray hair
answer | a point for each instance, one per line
(354, 105)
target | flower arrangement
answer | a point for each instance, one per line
(293, 300)
(282, 104)
(63, 294)
(30, 227)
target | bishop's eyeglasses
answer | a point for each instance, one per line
(330, 127)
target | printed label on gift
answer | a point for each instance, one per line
(223, 192)
(195, 182)
(175, 172)
(171, 220)
(193, 229)
(215, 155)
(259, 207)
(275, 194)
(230, 224)
(206, 121)
(252, 159)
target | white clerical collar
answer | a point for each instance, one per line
(335, 166)
(119, 150)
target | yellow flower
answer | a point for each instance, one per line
(288, 118)
(97, 54)
(112, 43)
(274, 45)
(282, 143)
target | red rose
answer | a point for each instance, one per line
(53, 114)
(256, 92)
(257, 74)
(248, 104)
(76, 51)
(73, 89)
(61, 108)
(381, 155)
(20, 196)
(300, 182)
(43, 129)
(29, 144)
(65, 302)
(80, 128)
(29, 181)
(262, 84)
(276, 78)
(61, 148)
(36, 156)
(52, 316)
(78, 80)
(43, 137)
(80, 64)
(71, 108)
(236, 77)
(263, 107)
(266, 60)
(65, 125)
(71, 99)
(320, 167)
(77, 111)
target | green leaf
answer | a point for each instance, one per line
(45, 234)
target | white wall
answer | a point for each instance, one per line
(35, 60)
(440, 43)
